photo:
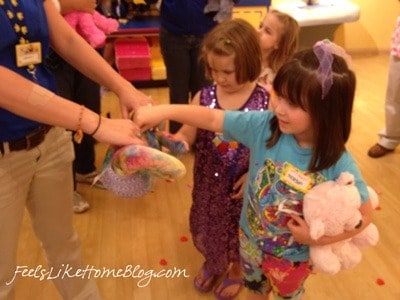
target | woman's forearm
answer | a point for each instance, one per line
(36, 103)
(74, 5)
(77, 52)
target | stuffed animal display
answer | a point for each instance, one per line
(330, 208)
(222, 8)
(93, 27)
(128, 9)
(130, 171)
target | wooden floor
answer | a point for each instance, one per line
(149, 233)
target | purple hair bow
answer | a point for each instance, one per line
(324, 51)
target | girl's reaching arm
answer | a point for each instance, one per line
(197, 116)
(188, 133)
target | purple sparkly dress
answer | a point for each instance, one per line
(214, 216)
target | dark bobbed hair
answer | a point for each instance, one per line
(235, 37)
(297, 81)
(288, 41)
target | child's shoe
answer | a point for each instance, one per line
(80, 205)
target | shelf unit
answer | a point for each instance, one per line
(148, 27)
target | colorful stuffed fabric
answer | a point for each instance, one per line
(130, 171)
(136, 158)
(163, 140)
(132, 186)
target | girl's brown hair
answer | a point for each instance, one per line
(235, 37)
(297, 81)
(288, 43)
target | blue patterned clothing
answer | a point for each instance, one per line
(277, 181)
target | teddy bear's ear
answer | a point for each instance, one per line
(345, 178)
(317, 229)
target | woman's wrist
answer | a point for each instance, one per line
(122, 87)
(90, 122)
(97, 127)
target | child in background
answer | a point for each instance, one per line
(292, 148)
(279, 34)
(232, 56)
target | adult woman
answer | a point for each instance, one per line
(35, 159)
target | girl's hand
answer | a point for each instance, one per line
(238, 187)
(147, 117)
(179, 136)
(300, 230)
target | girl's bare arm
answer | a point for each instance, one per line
(301, 234)
(197, 116)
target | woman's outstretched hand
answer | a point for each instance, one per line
(119, 132)
(131, 100)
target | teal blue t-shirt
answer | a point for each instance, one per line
(277, 182)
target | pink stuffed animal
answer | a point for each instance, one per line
(329, 209)
(93, 27)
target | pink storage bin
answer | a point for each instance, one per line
(132, 53)
(137, 74)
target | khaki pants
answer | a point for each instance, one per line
(41, 180)
(390, 135)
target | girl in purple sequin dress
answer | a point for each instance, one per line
(232, 56)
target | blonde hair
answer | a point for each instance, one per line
(239, 38)
(288, 42)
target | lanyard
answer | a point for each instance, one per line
(27, 54)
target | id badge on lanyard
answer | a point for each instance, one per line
(28, 54)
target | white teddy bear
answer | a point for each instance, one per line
(331, 208)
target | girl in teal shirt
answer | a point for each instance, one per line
(297, 145)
